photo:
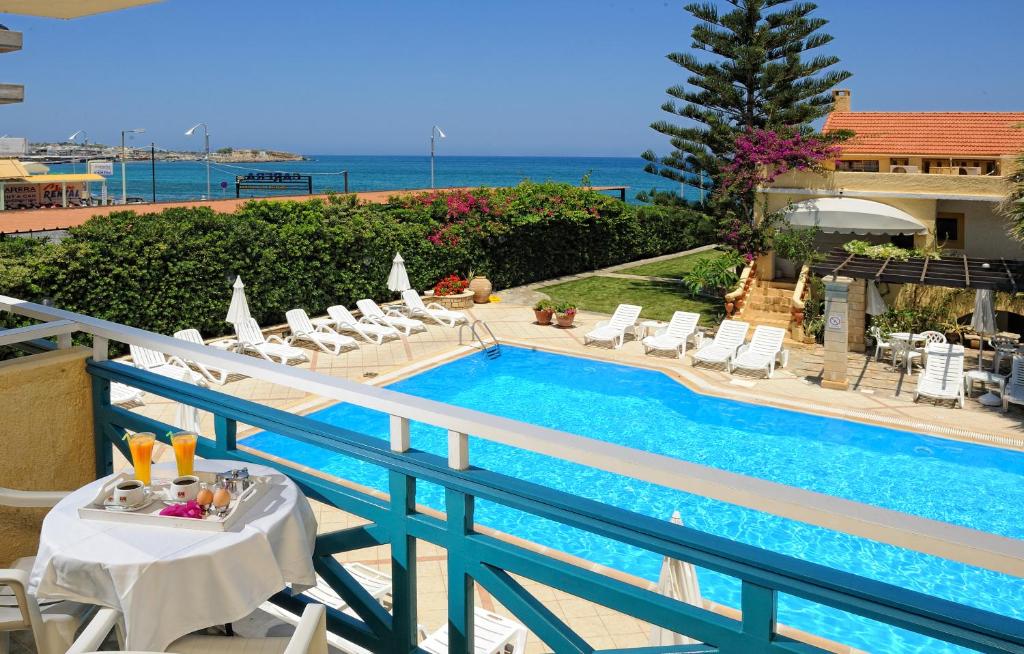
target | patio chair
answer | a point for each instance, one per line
(881, 344)
(310, 637)
(52, 625)
(728, 339)
(494, 634)
(763, 350)
(614, 330)
(342, 320)
(321, 336)
(123, 394)
(168, 366)
(393, 318)
(217, 375)
(943, 374)
(1013, 393)
(1003, 347)
(674, 337)
(415, 307)
(251, 339)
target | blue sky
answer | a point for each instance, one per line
(523, 77)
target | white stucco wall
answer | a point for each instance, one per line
(985, 230)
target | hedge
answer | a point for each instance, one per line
(170, 270)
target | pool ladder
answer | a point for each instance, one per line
(493, 350)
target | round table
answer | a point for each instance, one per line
(168, 582)
(647, 326)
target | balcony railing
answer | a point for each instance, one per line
(491, 562)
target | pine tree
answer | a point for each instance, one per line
(754, 77)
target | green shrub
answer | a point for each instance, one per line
(170, 270)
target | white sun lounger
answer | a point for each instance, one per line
(614, 331)
(123, 394)
(763, 350)
(168, 366)
(342, 320)
(943, 375)
(674, 336)
(492, 633)
(417, 309)
(214, 374)
(251, 339)
(728, 338)
(321, 336)
(392, 318)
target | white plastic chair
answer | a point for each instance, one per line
(763, 350)
(1013, 393)
(417, 309)
(123, 394)
(251, 339)
(217, 375)
(393, 318)
(614, 330)
(310, 637)
(172, 366)
(674, 337)
(881, 344)
(1003, 347)
(493, 634)
(321, 336)
(342, 320)
(943, 374)
(728, 339)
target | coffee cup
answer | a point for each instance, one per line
(185, 488)
(129, 493)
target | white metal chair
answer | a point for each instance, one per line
(1013, 393)
(674, 337)
(393, 317)
(613, 331)
(494, 634)
(943, 374)
(310, 637)
(217, 375)
(763, 350)
(321, 336)
(728, 339)
(251, 339)
(881, 344)
(1003, 347)
(167, 366)
(415, 307)
(342, 320)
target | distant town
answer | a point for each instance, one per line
(80, 152)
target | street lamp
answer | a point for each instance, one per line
(85, 141)
(439, 132)
(206, 134)
(124, 169)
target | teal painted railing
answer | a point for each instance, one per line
(491, 562)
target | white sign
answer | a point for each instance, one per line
(835, 321)
(104, 168)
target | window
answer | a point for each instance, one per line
(949, 230)
(858, 165)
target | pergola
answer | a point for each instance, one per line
(950, 271)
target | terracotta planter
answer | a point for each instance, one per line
(798, 317)
(728, 309)
(565, 321)
(463, 300)
(481, 287)
(543, 317)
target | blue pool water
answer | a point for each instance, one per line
(969, 485)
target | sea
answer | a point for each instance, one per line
(186, 180)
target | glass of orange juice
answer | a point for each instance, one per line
(184, 444)
(141, 446)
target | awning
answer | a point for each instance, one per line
(12, 169)
(67, 8)
(852, 216)
(67, 179)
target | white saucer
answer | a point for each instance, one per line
(147, 500)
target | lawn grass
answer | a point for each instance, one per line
(674, 268)
(658, 299)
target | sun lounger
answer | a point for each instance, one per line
(943, 375)
(763, 350)
(614, 331)
(251, 339)
(492, 635)
(674, 337)
(728, 339)
(415, 307)
(161, 364)
(212, 373)
(122, 394)
(393, 318)
(322, 336)
(342, 320)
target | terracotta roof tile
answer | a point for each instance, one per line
(930, 133)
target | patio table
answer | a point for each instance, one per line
(168, 582)
(910, 339)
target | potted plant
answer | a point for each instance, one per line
(481, 287)
(543, 311)
(565, 314)
(451, 293)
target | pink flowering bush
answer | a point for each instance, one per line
(762, 155)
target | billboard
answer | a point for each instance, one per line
(28, 196)
(13, 147)
(104, 168)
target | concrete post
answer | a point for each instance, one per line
(857, 306)
(837, 332)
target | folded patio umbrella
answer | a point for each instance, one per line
(239, 309)
(677, 580)
(875, 303)
(984, 319)
(398, 280)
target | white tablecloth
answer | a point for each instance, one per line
(168, 582)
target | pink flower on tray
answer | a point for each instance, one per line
(190, 509)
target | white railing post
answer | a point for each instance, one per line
(100, 346)
(458, 450)
(399, 434)
(64, 341)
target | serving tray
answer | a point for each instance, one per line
(150, 514)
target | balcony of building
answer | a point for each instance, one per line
(939, 183)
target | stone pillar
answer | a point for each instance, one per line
(837, 332)
(857, 305)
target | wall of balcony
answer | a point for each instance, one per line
(947, 186)
(46, 437)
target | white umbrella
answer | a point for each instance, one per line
(984, 322)
(875, 304)
(398, 280)
(239, 309)
(677, 580)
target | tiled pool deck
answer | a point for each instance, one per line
(514, 324)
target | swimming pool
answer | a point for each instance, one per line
(970, 485)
